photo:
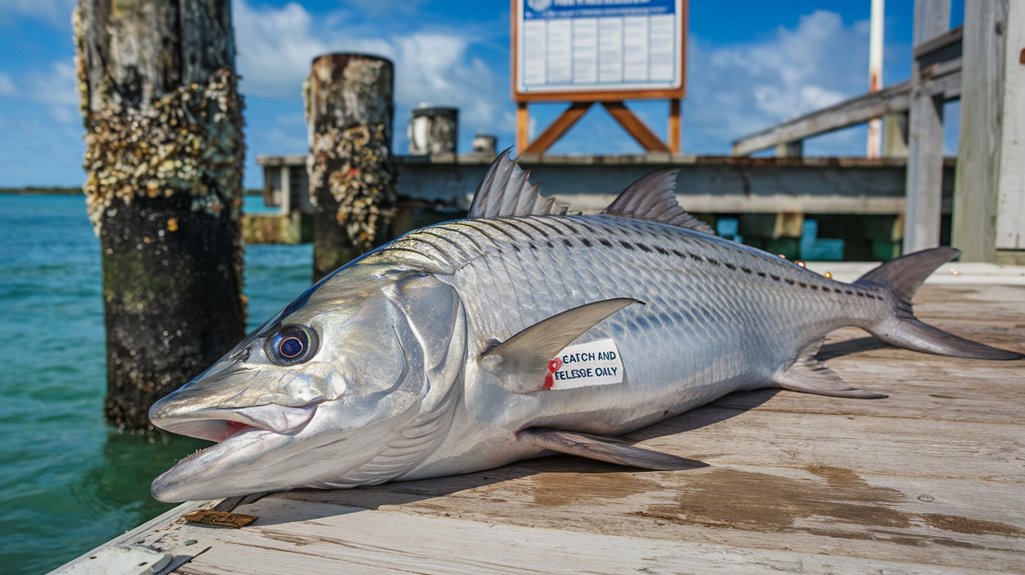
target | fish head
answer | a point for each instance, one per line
(319, 390)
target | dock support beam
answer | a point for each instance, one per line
(925, 137)
(164, 154)
(989, 196)
(349, 110)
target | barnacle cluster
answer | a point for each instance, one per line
(350, 143)
(188, 141)
(354, 165)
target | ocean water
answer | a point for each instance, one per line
(67, 481)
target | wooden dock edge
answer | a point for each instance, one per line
(978, 425)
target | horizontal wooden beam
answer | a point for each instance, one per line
(941, 46)
(940, 64)
(858, 110)
(941, 80)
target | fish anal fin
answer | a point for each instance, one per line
(520, 362)
(603, 449)
(809, 375)
(653, 198)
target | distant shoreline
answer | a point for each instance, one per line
(41, 191)
(63, 191)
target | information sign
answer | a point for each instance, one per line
(590, 50)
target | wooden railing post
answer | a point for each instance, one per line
(989, 193)
(925, 138)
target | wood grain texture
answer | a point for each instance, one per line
(927, 480)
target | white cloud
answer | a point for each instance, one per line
(54, 12)
(382, 7)
(276, 46)
(57, 90)
(7, 85)
(738, 89)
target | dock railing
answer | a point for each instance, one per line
(979, 64)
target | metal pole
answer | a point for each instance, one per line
(875, 70)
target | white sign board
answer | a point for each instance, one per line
(598, 46)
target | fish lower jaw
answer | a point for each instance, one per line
(196, 476)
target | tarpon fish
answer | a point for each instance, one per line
(522, 331)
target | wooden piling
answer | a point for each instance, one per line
(164, 153)
(349, 110)
(989, 199)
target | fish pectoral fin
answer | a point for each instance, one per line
(604, 449)
(521, 362)
(809, 375)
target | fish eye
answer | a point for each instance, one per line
(292, 344)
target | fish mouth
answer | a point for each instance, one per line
(242, 435)
(220, 424)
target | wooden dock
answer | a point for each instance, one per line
(928, 480)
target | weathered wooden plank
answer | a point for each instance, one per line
(991, 181)
(419, 546)
(1010, 228)
(895, 135)
(858, 110)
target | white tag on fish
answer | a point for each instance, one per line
(584, 365)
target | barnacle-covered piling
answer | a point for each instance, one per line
(164, 152)
(349, 109)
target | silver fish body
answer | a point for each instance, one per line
(428, 356)
(717, 317)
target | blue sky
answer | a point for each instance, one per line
(750, 63)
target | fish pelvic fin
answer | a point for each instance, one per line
(520, 362)
(809, 375)
(901, 278)
(653, 198)
(604, 449)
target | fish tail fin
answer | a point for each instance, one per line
(901, 278)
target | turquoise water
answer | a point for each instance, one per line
(67, 481)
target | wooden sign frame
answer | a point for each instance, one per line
(611, 99)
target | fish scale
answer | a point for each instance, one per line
(679, 350)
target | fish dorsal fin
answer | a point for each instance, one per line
(653, 198)
(809, 375)
(521, 362)
(603, 449)
(506, 191)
